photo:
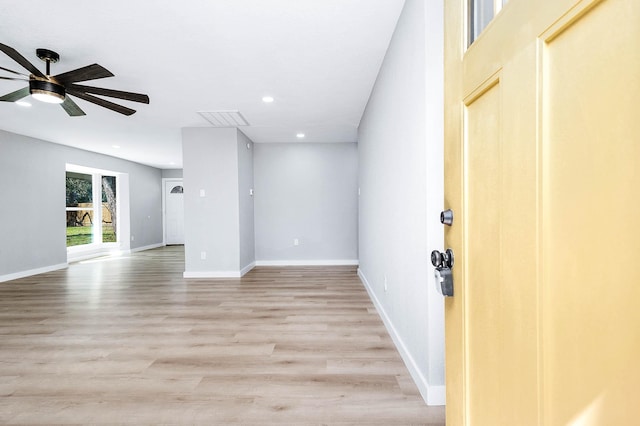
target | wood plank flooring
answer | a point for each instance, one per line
(127, 340)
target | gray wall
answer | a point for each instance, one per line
(210, 164)
(32, 212)
(246, 209)
(306, 191)
(401, 181)
(171, 173)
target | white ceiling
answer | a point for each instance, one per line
(318, 58)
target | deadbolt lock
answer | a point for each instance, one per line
(446, 217)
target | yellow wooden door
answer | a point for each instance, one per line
(542, 170)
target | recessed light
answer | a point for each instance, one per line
(23, 103)
(115, 146)
(172, 163)
(300, 135)
(267, 99)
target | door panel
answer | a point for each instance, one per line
(592, 215)
(542, 166)
(482, 149)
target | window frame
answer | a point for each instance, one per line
(97, 244)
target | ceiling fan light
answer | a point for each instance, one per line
(48, 97)
(45, 91)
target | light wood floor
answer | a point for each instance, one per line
(128, 340)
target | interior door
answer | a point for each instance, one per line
(174, 212)
(542, 170)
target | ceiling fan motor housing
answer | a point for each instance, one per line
(46, 91)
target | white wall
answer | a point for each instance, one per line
(32, 211)
(401, 180)
(306, 191)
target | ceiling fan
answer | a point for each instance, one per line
(57, 88)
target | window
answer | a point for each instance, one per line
(91, 211)
(80, 211)
(109, 210)
(481, 12)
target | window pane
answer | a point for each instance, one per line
(79, 227)
(480, 14)
(109, 213)
(79, 190)
(79, 209)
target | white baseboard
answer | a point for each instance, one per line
(432, 395)
(247, 268)
(436, 394)
(149, 247)
(211, 274)
(30, 272)
(80, 257)
(336, 262)
(243, 271)
(83, 255)
(219, 274)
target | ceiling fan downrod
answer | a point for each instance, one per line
(48, 56)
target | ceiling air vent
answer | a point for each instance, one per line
(224, 118)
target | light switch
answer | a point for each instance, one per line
(202, 192)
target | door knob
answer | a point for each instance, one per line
(443, 262)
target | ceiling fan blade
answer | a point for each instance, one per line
(13, 54)
(15, 96)
(90, 72)
(12, 71)
(12, 78)
(72, 108)
(101, 102)
(128, 96)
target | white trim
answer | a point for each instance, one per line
(143, 248)
(339, 262)
(101, 252)
(211, 274)
(123, 233)
(436, 394)
(247, 268)
(432, 395)
(30, 272)
(219, 274)
(89, 251)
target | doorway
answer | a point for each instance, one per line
(173, 201)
